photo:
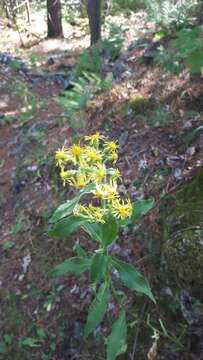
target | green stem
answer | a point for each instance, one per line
(116, 296)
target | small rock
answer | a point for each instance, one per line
(187, 125)
(178, 174)
(159, 162)
(26, 262)
(21, 277)
(32, 168)
(118, 69)
(138, 44)
(191, 151)
(6, 58)
(142, 164)
(167, 291)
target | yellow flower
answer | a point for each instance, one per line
(94, 139)
(97, 213)
(92, 155)
(80, 181)
(81, 210)
(113, 156)
(66, 175)
(115, 176)
(61, 156)
(90, 212)
(99, 173)
(121, 209)
(111, 146)
(76, 150)
(89, 166)
(106, 192)
(111, 149)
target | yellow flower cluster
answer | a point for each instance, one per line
(91, 165)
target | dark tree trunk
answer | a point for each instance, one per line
(94, 15)
(54, 19)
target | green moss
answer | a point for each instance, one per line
(139, 104)
(184, 257)
(182, 222)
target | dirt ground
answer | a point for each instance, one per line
(41, 317)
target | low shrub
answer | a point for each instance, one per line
(185, 51)
(171, 15)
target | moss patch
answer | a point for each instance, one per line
(139, 104)
(182, 249)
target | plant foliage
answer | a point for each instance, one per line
(84, 90)
(186, 51)
(111, 46)
(93, 172)
(171, 15)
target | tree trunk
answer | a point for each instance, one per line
(54, 19)
(94, 15)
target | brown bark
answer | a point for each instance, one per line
(54, 19)
(94, 15)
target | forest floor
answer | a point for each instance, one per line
(150, 115)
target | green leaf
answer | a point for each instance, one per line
(195, 61)
(142, 207)
(29, 342)
(116, 342)
(64, 209)
(98, 267)
(79, 250)
(17, 227)
(68, 207)
(8, 245)
(41, 333)
(105, 233)
(109, 230)
(8, 339)
(132, 278)
(97, 309)
(93, 230)
(66, 226)
(76, 265)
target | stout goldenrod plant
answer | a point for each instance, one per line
(97, 208)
